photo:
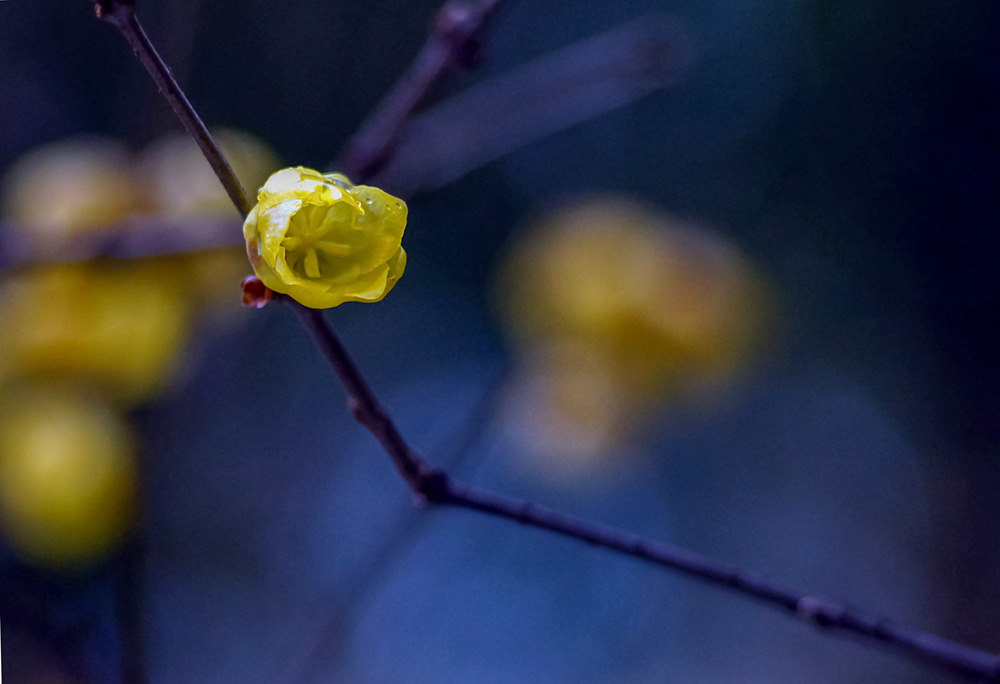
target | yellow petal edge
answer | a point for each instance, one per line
(323, 241)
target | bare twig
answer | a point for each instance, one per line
(363, 404)
(433, 486)
(462, 133)
(454, 40)
(121, 14)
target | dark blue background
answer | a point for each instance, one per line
(850, 148)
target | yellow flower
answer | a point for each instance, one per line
(68, 188)
(324, 241)
(672, 308)
(121, 326)
(67, 476)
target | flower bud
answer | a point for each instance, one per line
(324, 241)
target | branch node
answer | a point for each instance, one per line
(358, 410)
(255, 293)
(458, 25)
(434, 487)
(109, 10)
(819, 612)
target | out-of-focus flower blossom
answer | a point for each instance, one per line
(666, 303)
(324, 241)
(180, 183)
(70, 187)
(120, 326)
(656, 309)
(67, 476)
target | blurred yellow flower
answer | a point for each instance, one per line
(324, 241)
(121, 326)
(67, 476)
(615, 309)
(69, 187)
(668, 306)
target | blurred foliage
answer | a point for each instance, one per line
(121, 327)
(180, 184)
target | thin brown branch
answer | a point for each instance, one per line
(454, 41)
(362, 402)
(435, 487)
(466, 131)
(405, 531)
(122, 16)
(827, 615)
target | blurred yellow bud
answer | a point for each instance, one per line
(324, 241)
(671, 307)
(70, 187)
(120, 326)
(67, 477)
(180, 183)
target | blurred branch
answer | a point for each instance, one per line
(454, 41)
(499, 116)
(464, 132)
(434, 486)
(135, 237)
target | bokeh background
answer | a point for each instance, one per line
(849, 151)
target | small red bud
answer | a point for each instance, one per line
(255, 293)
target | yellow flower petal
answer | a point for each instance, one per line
(324, 241)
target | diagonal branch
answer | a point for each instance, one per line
(549, 94)
(363, 403)
(454, 40)
(121, 15)
(435, 487)
(405, 533)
